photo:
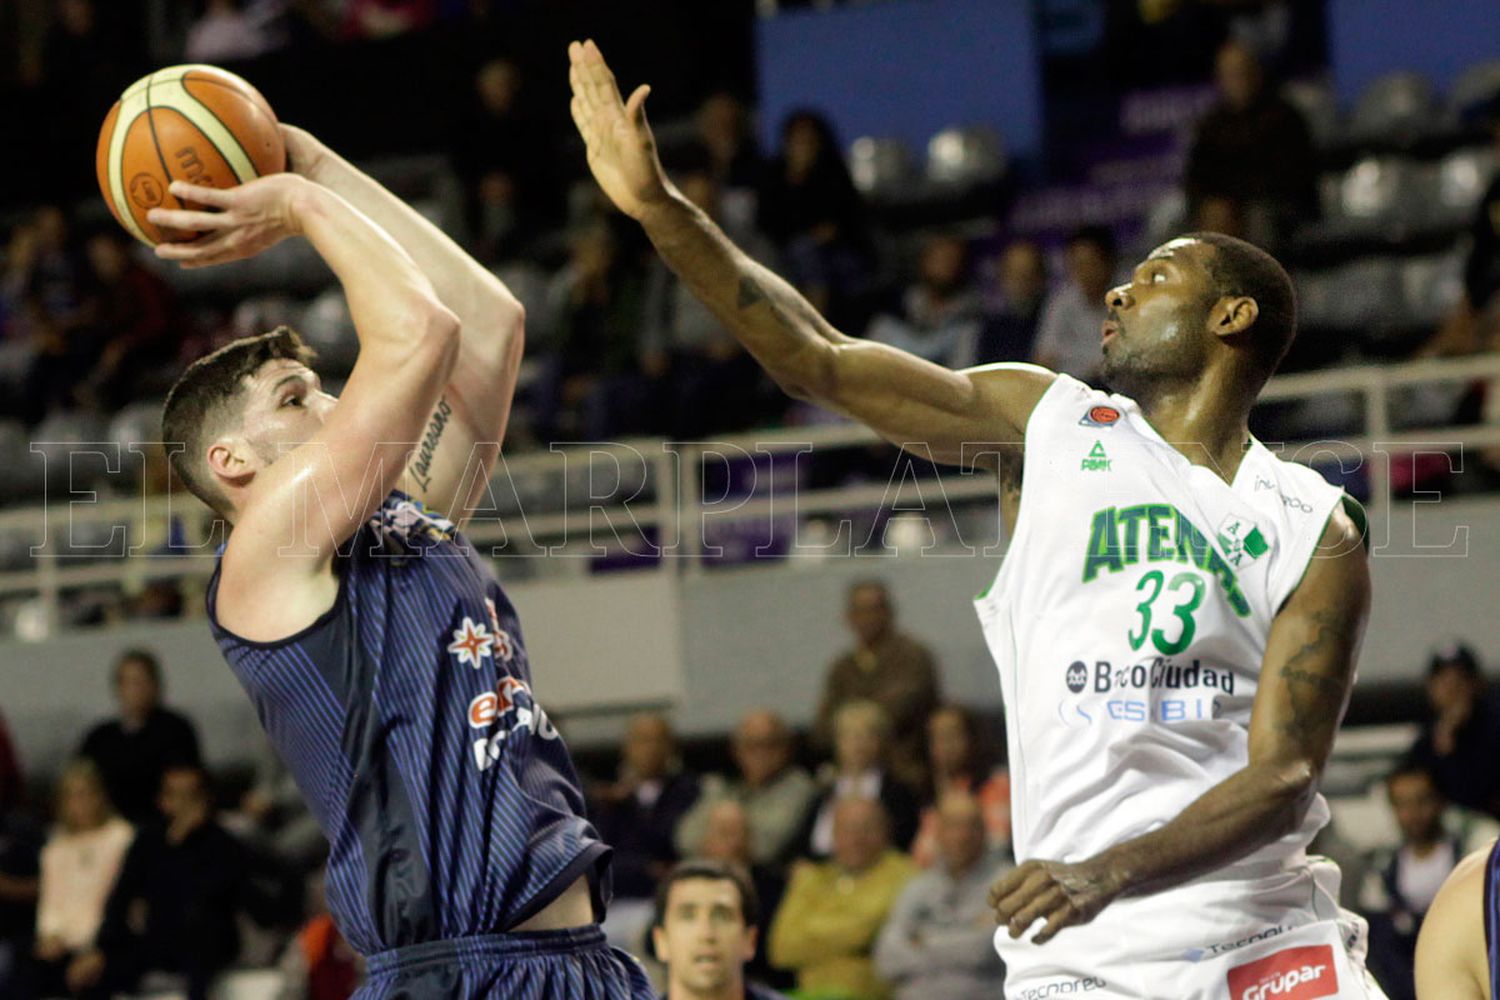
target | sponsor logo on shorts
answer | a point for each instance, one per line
(1213, 950)
(1062, 988)
(1100, 416)
(1290, 974)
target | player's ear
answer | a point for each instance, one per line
(659, 945)
(752, 937)
(1232, 315)
(226, 459)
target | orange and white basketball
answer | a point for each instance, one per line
(190, 123)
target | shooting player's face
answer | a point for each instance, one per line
(1157, 323)
(285, 407)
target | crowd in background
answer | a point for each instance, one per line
(870, 840)
(619, 347)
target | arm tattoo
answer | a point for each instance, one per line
(1310, 693)
(421, 468)
(750, 294)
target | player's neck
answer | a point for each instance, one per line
(1206, 423)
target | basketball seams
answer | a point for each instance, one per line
(166, 171)
(218, 134)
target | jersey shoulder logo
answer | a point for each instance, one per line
(1096, 460)
(471, 643)
(1240, 539)
(1100, 416)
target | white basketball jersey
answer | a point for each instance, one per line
(1129, 620)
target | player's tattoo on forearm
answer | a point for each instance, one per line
(750, 294)
(421, 467)
(1313, 697)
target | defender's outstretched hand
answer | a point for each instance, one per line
(622, 150)
(238, 222)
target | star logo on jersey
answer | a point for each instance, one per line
(470, 642)
(1096, 460)
(1240, 540)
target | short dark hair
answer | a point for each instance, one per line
(1101, 238)
(871, 583)
(145, 658)
(1457, 655)
(711, 871)
(208, 395)
(1241, 268)
(1409, 767)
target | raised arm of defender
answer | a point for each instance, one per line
(906, 399)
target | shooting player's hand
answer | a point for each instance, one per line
(234, 223)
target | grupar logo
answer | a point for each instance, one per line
(1290, 974)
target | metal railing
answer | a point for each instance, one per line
(654, 512)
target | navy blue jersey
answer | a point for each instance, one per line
(405, 713)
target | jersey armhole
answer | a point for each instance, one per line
(341, 571)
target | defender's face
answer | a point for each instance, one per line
(285, 407)
(1157, 323)
(703, 938)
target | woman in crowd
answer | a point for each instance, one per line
(958, 764)
(79, 865)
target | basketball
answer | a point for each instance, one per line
(191, 123)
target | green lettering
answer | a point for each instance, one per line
(1104, 549)
(1156, 535)
(1130, 520)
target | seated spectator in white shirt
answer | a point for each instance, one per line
(79, 864)
(936, 943)
(1068, 339)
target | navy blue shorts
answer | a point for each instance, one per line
(574, 964)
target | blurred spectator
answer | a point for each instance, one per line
(88, 55)
(833, 910)
(78, 868)
(862, 741)
(939, 315)
(273, 817)
(705, 930)
(174, 906)
(134, 313)
(727, 840)
(811, 210)
(20, 842)
(374, 19)
(1461, 742)
(888, 667)
(936, 944)
(596, 385)
(227, 32)
(638, 813)
(42, 291)
(134, 750)
(958, 765)
(12, 783)
(319, 964)
(715, 384)
(1252, 165)
(500, 153)
(1482, 268)
(775, 792)
(723, 130)
(1403, 882)
(1068, 335)
(1010, 322)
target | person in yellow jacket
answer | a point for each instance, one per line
(832, 912)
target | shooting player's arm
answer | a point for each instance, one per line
(460, 439)
(312, 499)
